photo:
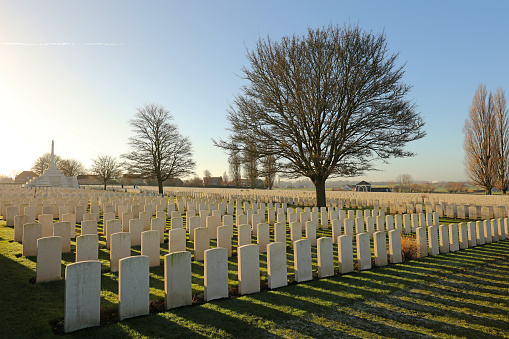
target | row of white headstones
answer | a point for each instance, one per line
(439, 239)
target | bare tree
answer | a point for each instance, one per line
(206, 174)
(106, 167)
(71, 167)
(14, 173)
(479, 141)
(158, 149)
(325, 104)
(428, 187)
(269, 170)
(42, 163)
(250, 163)
(235, 165)
(404, 181)
(225, 178)
(501, 136)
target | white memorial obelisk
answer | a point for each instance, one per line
(52, 151)
(52, 177)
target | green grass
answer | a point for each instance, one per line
(461, 294)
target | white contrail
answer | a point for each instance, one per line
(60, 44)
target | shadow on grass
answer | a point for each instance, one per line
(163, 325)
(43, 302)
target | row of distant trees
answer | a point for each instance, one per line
(158, 151)
(426, 187)
(226, 182)
(487, 140)
(106, 167)
(254, 164)
(404, 183)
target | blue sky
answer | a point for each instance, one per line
(75, 71)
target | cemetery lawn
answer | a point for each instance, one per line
(461, 294)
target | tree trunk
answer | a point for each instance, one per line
(105, 185)
(160, 184)
(320, 192)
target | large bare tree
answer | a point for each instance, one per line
(157, 148)
(325, 104)
(106, 167)
(501, 134)
(479, 144)
(71, 167)
(42, 163)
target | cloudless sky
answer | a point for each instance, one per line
(75, 71)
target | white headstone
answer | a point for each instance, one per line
(276, 265)
(363, 251)
(302, 260)
(133, 287)
(215, 274)
(120, 248)
(49, 257)
(345, 253)
(150, 247)
(178, 279)
(87, 247)
(325, 259)
(82, 306)
(395, 254)
(249, 269)
(380, 248)
(201, 242)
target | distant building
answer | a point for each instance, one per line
(25, 177)
(365, 186)
(212, 181)
(381, 189)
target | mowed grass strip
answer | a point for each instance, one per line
(461, 294)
